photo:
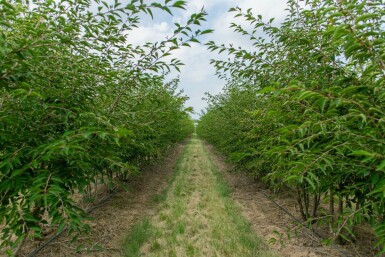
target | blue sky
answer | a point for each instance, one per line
(198, 76)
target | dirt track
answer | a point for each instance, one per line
(198, 217)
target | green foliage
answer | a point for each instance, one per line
(78, 103)
(305, 108)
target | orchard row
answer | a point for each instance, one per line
(304, 108)
(80, 105)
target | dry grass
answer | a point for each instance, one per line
(197, 216)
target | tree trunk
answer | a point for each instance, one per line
(299, 199)
(316, 201)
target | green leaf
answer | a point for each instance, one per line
(207, 31)
(17, 172)
(381, 166)
(179, 4)
(363, 153)
(268, 89)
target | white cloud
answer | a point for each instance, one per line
(195, 6)
(198, 76)
(267, 8)
(153, 33)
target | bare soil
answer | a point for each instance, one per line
(111, 222)
(273, 224)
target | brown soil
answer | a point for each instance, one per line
(273, 224)
(111, 222)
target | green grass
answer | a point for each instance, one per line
(197, 216)
(138, 235)
(142, 231)
(158, 198)
(247, 237)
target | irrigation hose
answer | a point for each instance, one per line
(53, 238)
(303, 224)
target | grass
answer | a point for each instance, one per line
(137, 236)
(196, 217)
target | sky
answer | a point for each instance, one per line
(197, 76)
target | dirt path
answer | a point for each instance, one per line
(111, 221)
(198, 217)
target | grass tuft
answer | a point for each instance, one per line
(139, 233)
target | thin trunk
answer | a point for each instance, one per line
(339, 238)
(316, 201)
(306, 201)
(340, 205)
(299, 199)
(17, 250)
